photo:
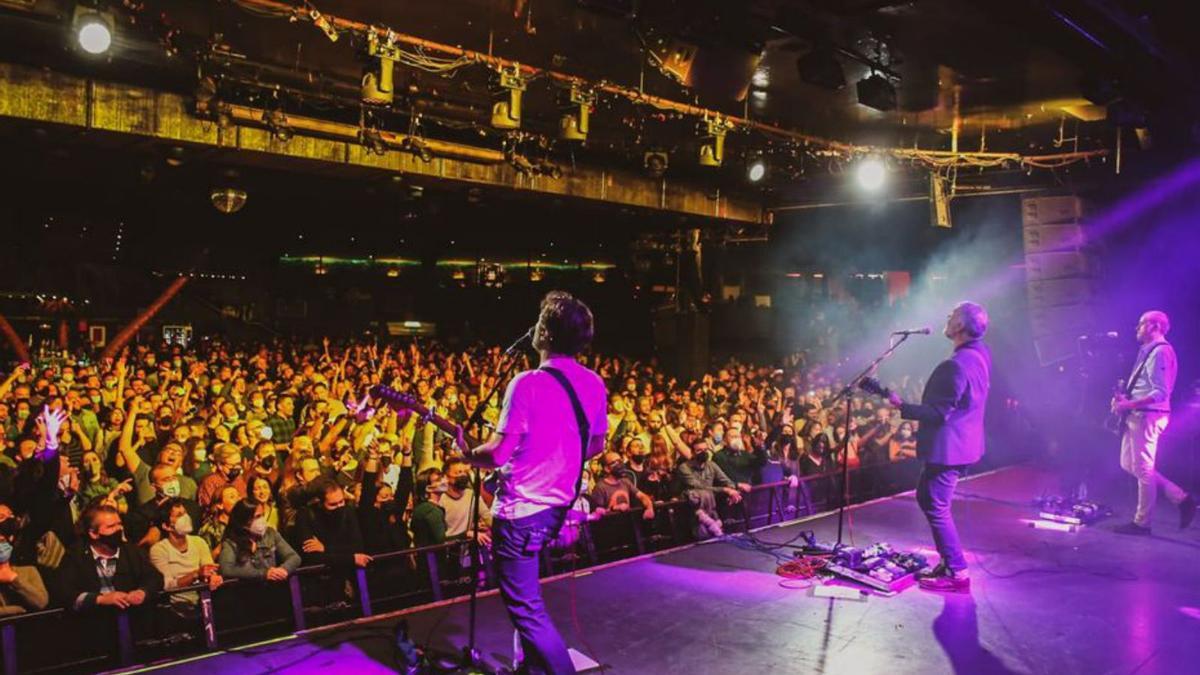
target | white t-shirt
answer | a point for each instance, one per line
(458, 512)
(543, 470)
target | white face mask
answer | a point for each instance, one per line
(183, 525)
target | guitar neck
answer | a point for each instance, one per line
(404, 402)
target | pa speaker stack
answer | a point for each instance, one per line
(1058, 276)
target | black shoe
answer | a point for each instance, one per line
(947, 583)
(1132, 528)
(1187, 511)
(939, 570)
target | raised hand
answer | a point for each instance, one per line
(361, 410)
(50, 422)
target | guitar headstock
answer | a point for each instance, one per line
(397, 400)
(872, 386)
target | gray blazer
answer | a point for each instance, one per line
(952, 406)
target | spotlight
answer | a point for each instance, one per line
(655, 162)
(536, 274)
(277, 123)
(322, 22)
(756, 170)
(373, 141)
(871, 174)
(378, 87)
(228, 199)
(506, 114)
(712, 148)
(598, 276)
(875, 91)
(573, 126)
(93, 30)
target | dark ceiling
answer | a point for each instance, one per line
(1011, 74)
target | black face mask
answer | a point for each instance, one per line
(234, 473)
(9, 528)
(702, 457)
(639, 459)
(462, 482)
(267, 462)
(113, 540)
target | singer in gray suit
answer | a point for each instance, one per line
(950, 437)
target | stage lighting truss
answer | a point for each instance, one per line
(506, 113)
(712, 146)
(378, 84)
(573, 126)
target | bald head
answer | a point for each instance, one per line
(1153, 325)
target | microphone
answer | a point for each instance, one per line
(522, 342)
(913, 331)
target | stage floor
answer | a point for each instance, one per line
(1043, 602)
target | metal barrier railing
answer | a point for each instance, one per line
(780, 495)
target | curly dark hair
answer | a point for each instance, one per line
(566, 324)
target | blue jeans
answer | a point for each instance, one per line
(516, 545)
(935, 490)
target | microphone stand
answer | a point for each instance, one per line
(471, 660)
(846, 393)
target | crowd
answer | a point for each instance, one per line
(173, 466)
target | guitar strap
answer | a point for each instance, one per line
(580, 420)
(1141, 366)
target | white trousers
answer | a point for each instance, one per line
(1139, 446)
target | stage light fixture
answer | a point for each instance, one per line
(756, 170)
(228, 199)
(655, 162)
(378, 84)
(876, 91)
(277, 123)
(871, 174)
(573, 126)
(712, 147)
(506, 113)
(93, 30)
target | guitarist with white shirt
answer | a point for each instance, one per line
(1145, 407)
(554, 419)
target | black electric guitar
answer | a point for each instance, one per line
(401, 402)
